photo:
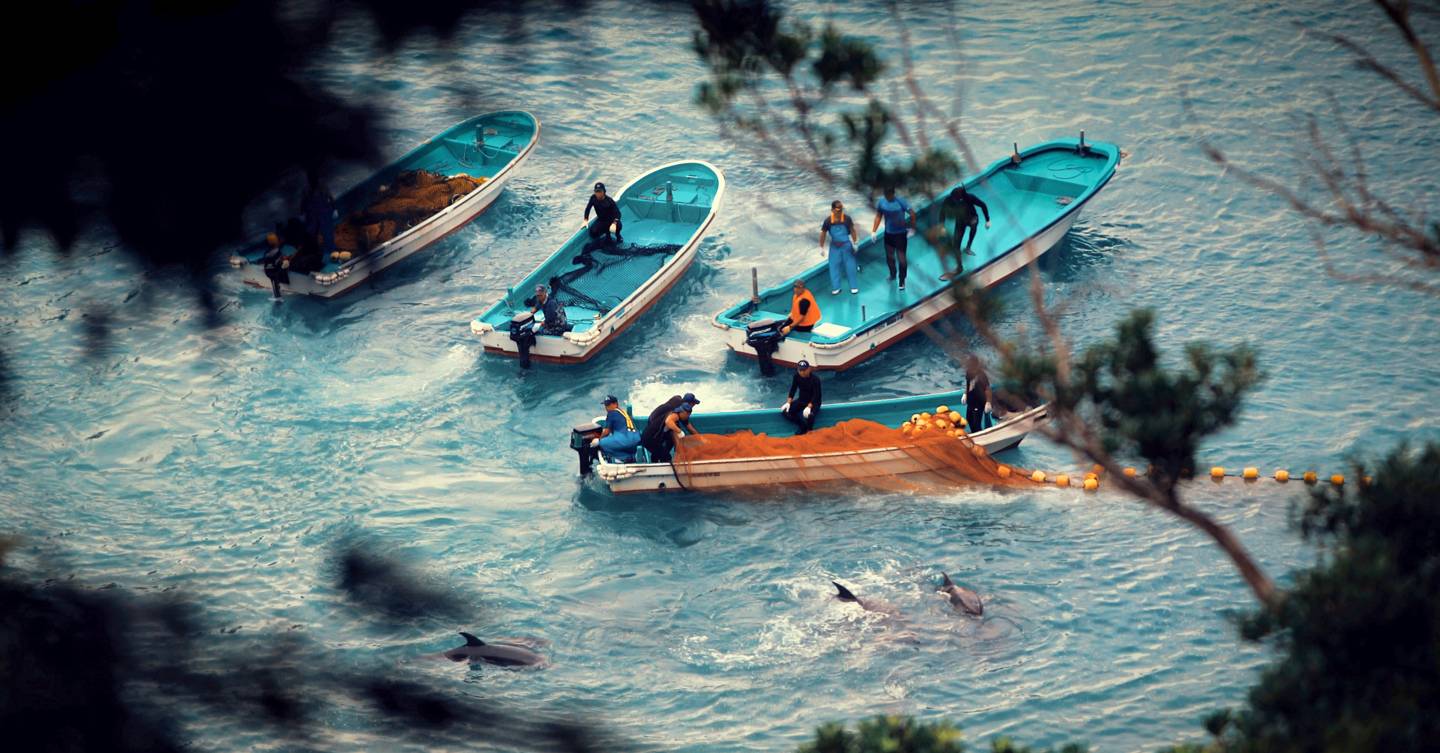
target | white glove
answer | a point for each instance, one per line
(987, 407)
(806, 412)
(962, 398)
(595, 442)
(784, 407)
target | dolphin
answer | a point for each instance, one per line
(961, 598)
(502, 654)
(843, 594)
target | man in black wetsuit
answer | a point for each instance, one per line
(961, 205)
(655, 438)
(802, 404)
(606, 214)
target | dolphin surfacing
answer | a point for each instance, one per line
(499, 653)
(961, 598)
(843, 594)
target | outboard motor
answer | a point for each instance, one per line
(580, 438)
(523, 331)
(765, 337)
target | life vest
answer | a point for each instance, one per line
(808, 319)
(629, 424)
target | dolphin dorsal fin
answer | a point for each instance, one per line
(843, 593)
(471, 640)
(947, 581)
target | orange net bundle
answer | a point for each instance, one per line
(925, 454)
(415, 196)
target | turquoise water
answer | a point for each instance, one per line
(224, 462)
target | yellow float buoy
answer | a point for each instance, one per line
(1062, 480)
(1282, 475)
(915, 418)
(1250, 474)
(1097, 469)
(1003, 470)
(1091, 476)
(942, 410)
(1310, 477)
(925, 416)
(1038, 477)
(963, 422)
(1129, 473)
(955, 417)
(1217, 472)
(1091, 484)
(977, 450)
(1337, 480)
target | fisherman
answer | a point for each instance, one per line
(661, 437)
(618, 439)
(651, 438)
(607, 216)
(319, 210)
(977, 394)
(894, 211)
(838, 231)
(961, 205)
(556, 322)
(804, 311)
(802, 404)
(277, 262)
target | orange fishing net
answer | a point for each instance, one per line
(415, 196)
(925, 453)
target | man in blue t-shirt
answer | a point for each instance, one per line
(899, 218)
(618, 439)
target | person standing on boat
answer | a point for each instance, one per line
(838, 231)
(961, 205)
(319, 211)
(618, 439)
(977, 394)
(607, 216)
(556, 323)
(802, 404)
(894, 211)
(804, 311)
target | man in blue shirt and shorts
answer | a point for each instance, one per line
(897, 225)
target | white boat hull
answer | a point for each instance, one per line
(624, 478)
(857, 348)
(403, 246)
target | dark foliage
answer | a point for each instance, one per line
(1358, 636)
(105, 670)
(902, 734)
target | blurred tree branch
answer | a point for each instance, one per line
(1410, 236)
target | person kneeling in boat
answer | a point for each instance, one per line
(804, 311)
(556, 323)
(661, 437)
(977, 394)
(607, 216)
(802, 405)
(961, 205)
(618, 439)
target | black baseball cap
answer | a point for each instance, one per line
(610, 399)
(599, 186)
(803, 364)
(690, 398)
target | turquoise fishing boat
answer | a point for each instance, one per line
(603, 286)
(1000, 433)
(486, 150)
(1034, 197)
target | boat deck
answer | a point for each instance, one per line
(1023, 200)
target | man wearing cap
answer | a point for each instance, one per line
(556, 323)
(665, 427)
(802, 404)
(607, 213)
(618, 439)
